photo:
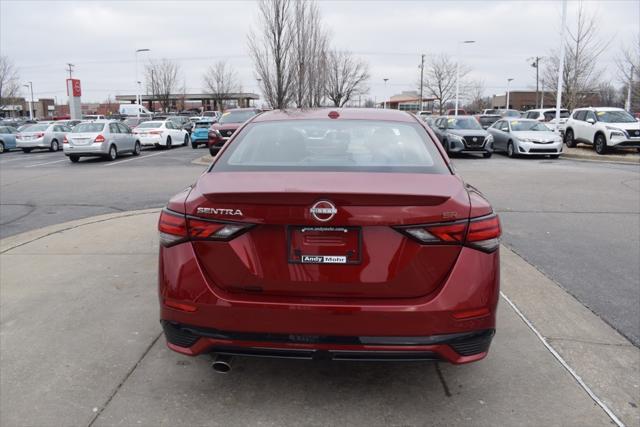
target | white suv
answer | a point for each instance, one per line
(548, 115)
(602, 127)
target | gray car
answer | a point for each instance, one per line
(462, 134)
(42, 135)
(526, 137)
(103, 138)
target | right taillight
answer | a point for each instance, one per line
(99, 138)
(479, 233)
(176, 228)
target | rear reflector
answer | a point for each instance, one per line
(176, 228)
(480, 233)
(180, 306)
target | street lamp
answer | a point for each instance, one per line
(508, 82)
(385, 93)
(30, 85)
(458, 72)
(138, 96)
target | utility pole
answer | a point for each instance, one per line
(385, 92)
(627, 105)
(70, 69)
(561, 65)
(30, 85)
(508, 83)
(421, 81)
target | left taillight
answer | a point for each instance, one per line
(65, 140)
(479, 233)
(176, 228)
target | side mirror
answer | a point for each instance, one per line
(591, 120)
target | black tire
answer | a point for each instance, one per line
(54, 146)
(113, 153)
(569, 140)
(186, 141)
(169, 145)
(26, 150)
(511, 150)
(137, 148)
(487, 155)
(600, 144)
(194, 145)
(74, 159)
(213, 151)
(445, 144)
(1, 147)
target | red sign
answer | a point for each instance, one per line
(75, 85)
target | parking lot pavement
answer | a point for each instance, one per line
(82, 346)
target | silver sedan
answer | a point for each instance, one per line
(525, 137)
(42, 135)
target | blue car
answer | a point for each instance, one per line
(7, 138)
(200, 133)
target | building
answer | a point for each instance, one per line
(524, 100)
(408, 101)
(19, 107)
(180, 101)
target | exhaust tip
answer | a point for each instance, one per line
(222, 364)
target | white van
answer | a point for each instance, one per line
(133, 110)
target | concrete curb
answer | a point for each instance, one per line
(587, 154)
(27, 237)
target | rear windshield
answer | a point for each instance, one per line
(203, 125)
(328, 145)
(36, 128)
(88, 128)
(237, 116)
(150, 125)
(550, 115)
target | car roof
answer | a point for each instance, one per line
(540, 110)
(518, 119)
(344, 113)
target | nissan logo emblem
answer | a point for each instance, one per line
(638, 132)
(475, 139)
(323, 210)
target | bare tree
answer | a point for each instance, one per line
(162, 79)
(475, 94)
(628, 64)
(440, 79)
(346, 77)
(272, 53)
(309, 59)
(220, 81)
(9, 82)
(580, 74)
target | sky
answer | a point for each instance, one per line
(100, 38)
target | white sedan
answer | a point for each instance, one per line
(163, 133)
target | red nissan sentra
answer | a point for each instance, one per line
(334, 234)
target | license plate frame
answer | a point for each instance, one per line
(352, 235)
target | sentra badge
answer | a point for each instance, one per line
(220, 211)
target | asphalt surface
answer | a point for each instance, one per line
(577, 222)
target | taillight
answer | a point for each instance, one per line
(99, 138)
(39, 135)
(480, 233)
(484, 233)
(155, 132)
(176, 228)
(65, 140)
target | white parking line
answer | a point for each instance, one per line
(24, 157)
(46, 163)
(136, 158)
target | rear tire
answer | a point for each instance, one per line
(186, 141)
(1, 147)
(54, 146)
(600, 144)
(213, 151)
(168, 146)
(510, 150)
(137, 148)
(113, 153)
(569, 140)
(26, 150)
(194, 145)
(74, 159)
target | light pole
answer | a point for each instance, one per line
(421, 81)
(458, 72)
(137, 82)
(259, 80)
(561, 65)
(627, 104)
(30, 85)
(508, 83)
(384, 105)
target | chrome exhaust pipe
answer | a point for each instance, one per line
(222, 364)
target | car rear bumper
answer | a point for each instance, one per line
(464, 304)
(94, 149)
(151, 140)
(32, 143)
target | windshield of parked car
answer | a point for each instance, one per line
(614, 117)
(328, 145)
(237, 116)
(88, 128)
(510, 113)
(463, 123)
(518, 126)
(149, 125)
(36, 128)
